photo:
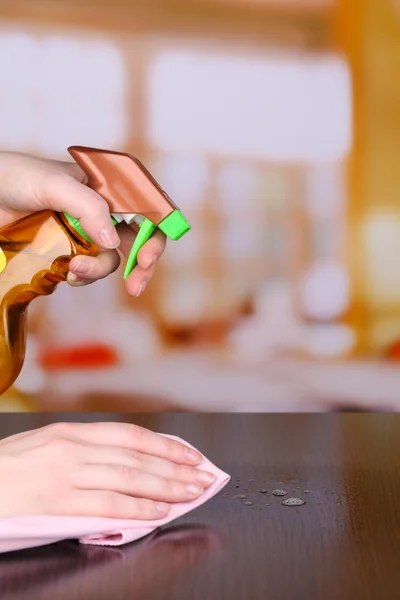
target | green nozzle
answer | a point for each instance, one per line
(175, 225)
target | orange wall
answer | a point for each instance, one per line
(368, 32)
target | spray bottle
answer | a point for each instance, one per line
(36, 250)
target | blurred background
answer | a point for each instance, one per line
(275, 126)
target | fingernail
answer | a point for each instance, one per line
(192, 455)
(72, 278)
(141, 289)
(195, 489)
(205, 477)
(109, 238)
(151, 262)
(76, 281)
(162, 507)
(80, 266)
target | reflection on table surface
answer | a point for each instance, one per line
(62, 570)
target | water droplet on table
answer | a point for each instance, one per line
(241, 496)
(248, 504)
(279, 493)
(293, 502)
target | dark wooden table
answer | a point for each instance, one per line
(344, 543)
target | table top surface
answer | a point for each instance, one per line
(344, 542)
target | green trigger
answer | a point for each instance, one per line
(174, 226)
(146, 230)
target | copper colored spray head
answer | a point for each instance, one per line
(124, 183)
(132, 195)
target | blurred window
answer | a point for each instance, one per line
(284, 108)
(60, 90)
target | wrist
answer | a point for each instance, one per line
(13, 186)
(8, 164)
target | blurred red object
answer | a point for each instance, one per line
(89, 356)
(393, 353)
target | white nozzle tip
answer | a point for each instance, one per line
(127, 217)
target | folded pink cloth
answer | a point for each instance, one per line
(38, 530)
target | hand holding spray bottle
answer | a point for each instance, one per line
(35, 251)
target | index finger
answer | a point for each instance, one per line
(151, 251)
(132, 437)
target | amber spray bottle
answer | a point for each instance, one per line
(36, 250)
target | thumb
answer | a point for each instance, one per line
(64, 193)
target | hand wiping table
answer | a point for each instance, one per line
(37, 530)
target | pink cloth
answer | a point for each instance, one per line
(38, 530)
